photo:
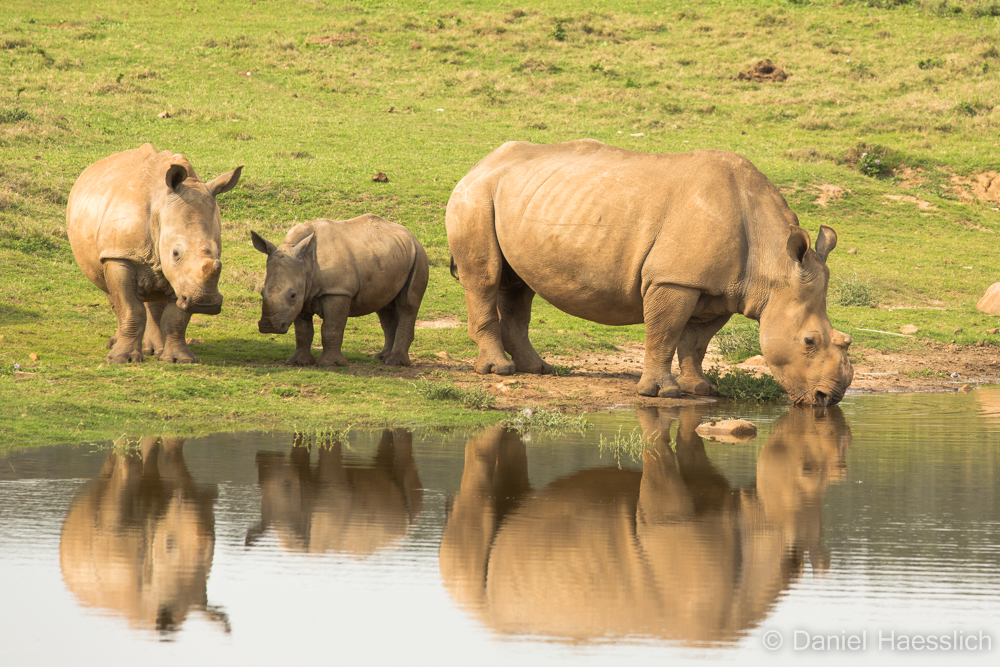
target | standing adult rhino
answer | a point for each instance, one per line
(680, 242)
(145, 229)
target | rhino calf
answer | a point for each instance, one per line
(338, 269)
(144, 228)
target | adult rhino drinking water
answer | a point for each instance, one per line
(680, 242)
(146, 230)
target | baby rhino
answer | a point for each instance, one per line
(338, 269)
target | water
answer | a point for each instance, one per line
(851, 526)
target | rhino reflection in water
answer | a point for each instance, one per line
(140, 541)
(338, 505)
(672, 552)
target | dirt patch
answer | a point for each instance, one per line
(921, 204)
(763, 72)
(449, 322)
(829, 193)
(981, 187)
(598, 382)
(909, 178)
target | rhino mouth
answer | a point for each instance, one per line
(189, 305)
(272, 328)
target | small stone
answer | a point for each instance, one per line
(757, 360)
(33, 356)
(965, 389)
(163, 114)
(728, 430)
(502, 387)
(989, 331)
(443, 355)
(908, 329)
(380, 177)
(852, 251)
(956, 331)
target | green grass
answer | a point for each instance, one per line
(476, 398)
(629, 445)
(742, 385)
(539, 420)
(316, 97)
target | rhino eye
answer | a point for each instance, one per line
(810, 340)
(291, 295)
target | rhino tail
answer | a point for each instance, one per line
(454, 268)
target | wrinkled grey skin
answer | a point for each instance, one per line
(146, 230)
(338, 269)
(680, 242)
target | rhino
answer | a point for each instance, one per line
(338, 505)
(672, 552)
(139, 542)
(680, 242)
(338, 269)
(145, 229)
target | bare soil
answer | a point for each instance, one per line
(763, 71)
(606, 381)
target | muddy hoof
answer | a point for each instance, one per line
(658, 387)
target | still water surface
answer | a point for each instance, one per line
(877, 517)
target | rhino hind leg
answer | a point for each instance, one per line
(152, 340)
(666, 311)
(691, 351)
(120, 278)
(404, 314)
(173, 328)
(389, 319)
(514, 306)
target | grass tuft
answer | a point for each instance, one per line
(631, 445)
(856, 291)
(541, 420)
(476, 398)
(746, 386)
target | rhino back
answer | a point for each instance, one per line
(366, 258)
(109, 211)
(590, 227)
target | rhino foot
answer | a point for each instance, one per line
(538, 368)
(395, 359)
(135, 356)
(697, 386)
(178, 357)
(485, 366)
(301, 358)
(663, 387)
(328, 359)
(111, 342)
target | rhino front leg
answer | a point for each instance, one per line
(335, 310)
(666, 310)
(129, 309)
(514, 304)
(303, 355)
(152, 340)
(173, 325)
(691, 353)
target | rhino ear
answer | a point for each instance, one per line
(262, 244)
(225, 182)
(798, 243)
(176, 174)
(300, 248)
(826, 241)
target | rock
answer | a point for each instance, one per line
(956, 331)
(852, 251)
(728, 430)
(163, 114)
(443, 355)
(990, 303)
(502, 387)
(380, 177)
(965, 389)
(908, 329)
(989, 331)
(755, 361)
(33, 356)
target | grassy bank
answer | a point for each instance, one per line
(317, 97)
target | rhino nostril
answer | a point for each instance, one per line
(822, 399)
